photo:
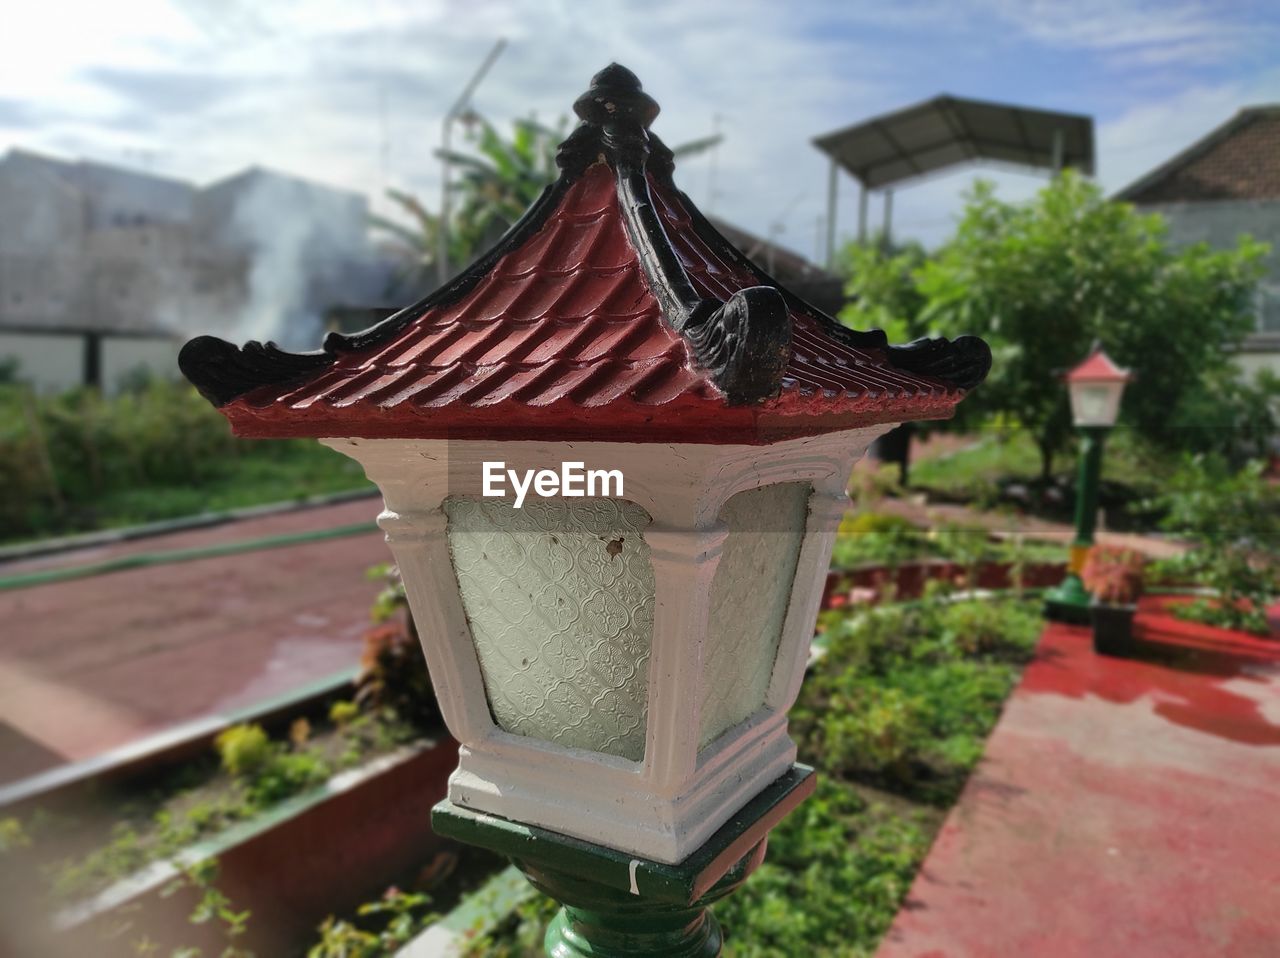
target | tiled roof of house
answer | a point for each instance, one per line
(1240, 160)
(612, 310)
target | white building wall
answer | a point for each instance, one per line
(122, 357)
(47, 361)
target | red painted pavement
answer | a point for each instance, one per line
(90, 664)
(1124, 808)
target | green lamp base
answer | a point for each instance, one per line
(1068, 601)
(618, 906)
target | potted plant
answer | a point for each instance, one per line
(1115, 578)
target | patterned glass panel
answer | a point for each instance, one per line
(749, 600)
(560, 598)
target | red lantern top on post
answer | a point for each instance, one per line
(617, 665)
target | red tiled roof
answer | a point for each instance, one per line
(612, 310)
(566, 324)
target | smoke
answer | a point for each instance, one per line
(307, 252)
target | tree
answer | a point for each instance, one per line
(499, 181)
(1042, 280)
(416, 240)
(882, 288)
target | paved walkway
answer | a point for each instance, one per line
(90, 664)
(1124, 809)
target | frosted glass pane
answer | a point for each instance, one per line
(560, 597)
(749, 600)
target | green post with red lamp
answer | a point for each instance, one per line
(1096, 387)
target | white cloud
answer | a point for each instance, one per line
(206, 87)
(1139, 31)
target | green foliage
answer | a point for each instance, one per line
(903, 699)
(270, 771)
(79, 461)
(243, 749)
(13, 835)
(884, 539)
(879, 538)
(286, 774)
(342, 712)
(907, 693)
(393, 672)
(837, 870)
(389, 924)
(1042, 280)
(1232, 517)
(883, 289)
(391, 600)
(502, 178)
(497, 180)
(212, 908)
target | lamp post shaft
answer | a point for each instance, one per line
(601, 922)
(614, 905)
(1069, 601)
(1089, 478)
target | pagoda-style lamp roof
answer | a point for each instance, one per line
(611, 310)
(1098, 367)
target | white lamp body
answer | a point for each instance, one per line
(1095, 402)
(616, 669)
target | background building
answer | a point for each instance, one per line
(1225, 184)
(104, 271)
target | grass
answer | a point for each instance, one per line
(883, 539)
(80, 461)
(894, 716)
(980, 471)
(292, 470)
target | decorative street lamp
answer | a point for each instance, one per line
(613, 454)
(1095, 386)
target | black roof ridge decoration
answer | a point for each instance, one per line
(744, 342)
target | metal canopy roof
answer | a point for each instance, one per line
(947, 130)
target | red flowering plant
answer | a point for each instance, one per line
(1114, 576)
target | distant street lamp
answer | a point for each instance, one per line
(613, 455)
(1096, 387)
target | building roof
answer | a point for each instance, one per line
(947, 130)
(612, 310)
(1239, 160)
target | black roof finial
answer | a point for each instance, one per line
(616, 96)
(616, 114)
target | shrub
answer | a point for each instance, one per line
(243, 749)
(393, 675)
(340, 713)
(1233, 520)
(871, 728)
(1114, 576)
(285, 774)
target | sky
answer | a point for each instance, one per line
(353, 94)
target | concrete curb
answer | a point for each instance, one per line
(43, 547)
(171, 745)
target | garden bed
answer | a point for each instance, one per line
(894, 716)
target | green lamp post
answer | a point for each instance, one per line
(613, 455)
(1096, 387)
